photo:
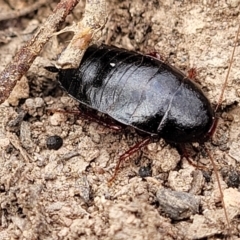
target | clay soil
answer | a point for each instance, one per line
(64, 194)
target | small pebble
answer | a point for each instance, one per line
(233, 179)
(178, 205)
(145, 171)
(54, 142)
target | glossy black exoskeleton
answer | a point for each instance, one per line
(140, 91)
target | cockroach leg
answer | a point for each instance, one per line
(127, 154)
(192, 73)
(156, 55)
(220, 188)
(184, 154)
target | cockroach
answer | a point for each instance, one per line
(140, 91)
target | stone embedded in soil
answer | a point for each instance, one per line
(178, 205)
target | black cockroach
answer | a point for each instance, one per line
(142, 92)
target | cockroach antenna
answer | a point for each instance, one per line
(228, 71)
(207, 150)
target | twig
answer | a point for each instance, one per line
(86, 32)
(26, 55)
(26, 10)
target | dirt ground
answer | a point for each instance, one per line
(64, 194)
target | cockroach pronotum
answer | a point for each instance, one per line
(143, 92)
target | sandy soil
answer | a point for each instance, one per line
(64, 194)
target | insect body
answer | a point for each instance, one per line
(140, 91)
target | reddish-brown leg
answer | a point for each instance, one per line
(127, 154)
(156, 55)
(192, 73)
(185, 154)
